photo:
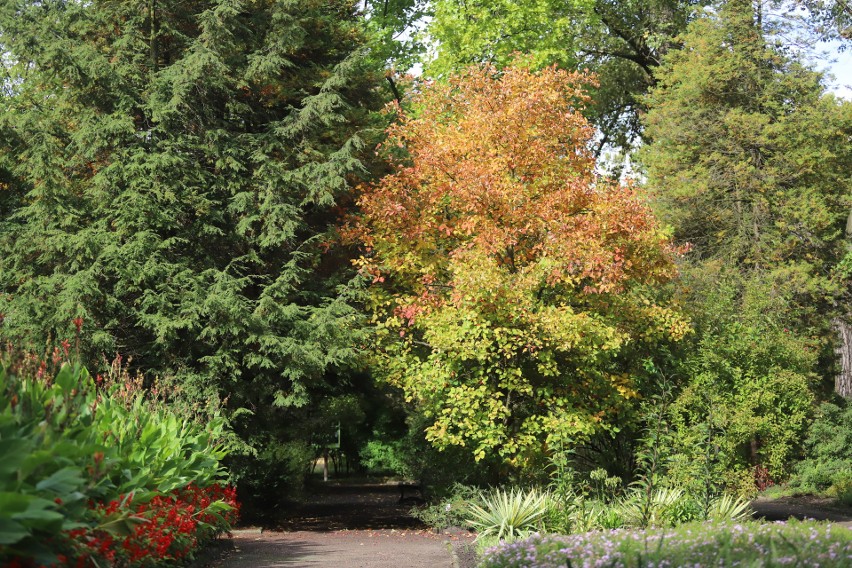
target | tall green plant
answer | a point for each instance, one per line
(747, 159)
(827, 463)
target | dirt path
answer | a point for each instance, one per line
(355, 549)
(815, 508)
(357, 526)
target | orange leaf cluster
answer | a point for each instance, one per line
(497, 162)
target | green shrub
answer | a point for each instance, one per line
(272, 473)
(729, 508)
(744, 384)
(386, 457)
(693, 544)
(577, 515)
(578, 503)
(660, 507)
(827, 467)
(453, 510)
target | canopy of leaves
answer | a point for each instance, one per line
(833, 18)
(748, 159)
(514, 280)
(747, 156)
(621, 41)
(394, 27)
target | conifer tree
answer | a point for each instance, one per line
(746, 153)
(169, 173)
(748, 159)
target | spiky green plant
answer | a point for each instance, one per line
(646, 509)
(508, 515)
(729, 508)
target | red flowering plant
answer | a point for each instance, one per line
(151, 530)
(90, 479)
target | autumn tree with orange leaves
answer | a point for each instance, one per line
(515, 289)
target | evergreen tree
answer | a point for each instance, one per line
(748, 159)
(170, 171)
(747, 155)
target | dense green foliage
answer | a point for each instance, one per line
(78, 462)
(746, 154)
(576, 504)
(169, 181)
(748, 159)
(749, 380)
(620, 41)
(169, 175)
(175, 180)
(827, 467)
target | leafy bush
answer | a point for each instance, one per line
(451, 511)
(385, 457)
(663, 506)
(577, 505)
(746, 395)
(87, 474)
(827, 467)
(693, 544)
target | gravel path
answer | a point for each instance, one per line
(355, 549)
(815, 508)
(357, 526)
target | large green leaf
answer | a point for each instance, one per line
(121, 525)
(13, 452)
(67, 379)
(11, 503)
(11, 531)
(40, 519)
(63, 481)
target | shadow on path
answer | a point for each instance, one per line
(801, 508)
(347, 525)
(339, 506)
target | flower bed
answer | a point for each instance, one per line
(693, 544)
(102, 476)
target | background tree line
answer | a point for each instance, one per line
(180, 176)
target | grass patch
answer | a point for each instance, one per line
(693, 544)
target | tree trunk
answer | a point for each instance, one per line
(843, 381)
(325, 464)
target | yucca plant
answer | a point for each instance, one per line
(508, 515)
(645, 509)
(729, 508)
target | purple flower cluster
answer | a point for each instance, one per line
(696, 545)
